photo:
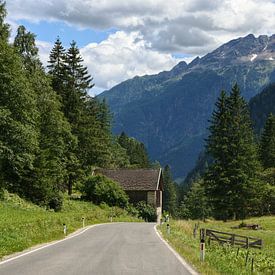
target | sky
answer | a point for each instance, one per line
(120, 39)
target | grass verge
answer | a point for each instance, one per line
(225, 259)
(23, 224)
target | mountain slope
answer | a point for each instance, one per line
(169, 111)
(261, 106)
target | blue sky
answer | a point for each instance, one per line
(49, 31)
(119, 39)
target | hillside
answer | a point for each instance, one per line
(169, 112)
(261, 106)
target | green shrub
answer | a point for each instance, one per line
(100, 189)
(146, 211)
(56, 202)
(133, 211)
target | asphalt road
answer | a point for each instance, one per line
(113, 249)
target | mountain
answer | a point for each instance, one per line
(169, 111)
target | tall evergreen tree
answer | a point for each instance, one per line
(169, 192)
(267, 143)
(57, 67)
(231, 181)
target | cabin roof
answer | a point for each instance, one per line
(135, 179)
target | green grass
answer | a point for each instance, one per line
(23, 224)
(224, 259)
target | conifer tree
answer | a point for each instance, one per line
(57, 67)
(169, 192)
(231, 181)
(267, 143)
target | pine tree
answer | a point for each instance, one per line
(231, 181)
(195, 204)
(267, 143)
(57, 67)
(169, 192)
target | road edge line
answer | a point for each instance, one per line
(72, 235)
(181, 260)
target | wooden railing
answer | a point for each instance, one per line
(230, 238)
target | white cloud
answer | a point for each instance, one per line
(122, 56)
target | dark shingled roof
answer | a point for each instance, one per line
(134, 179)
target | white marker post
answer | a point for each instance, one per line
(65, 229)
(83, 222)
(202, 250)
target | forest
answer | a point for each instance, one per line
(52, 132)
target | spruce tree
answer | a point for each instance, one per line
(169, 192)
(57, 67)
(217, 180)
(267, 143)
(231, 181)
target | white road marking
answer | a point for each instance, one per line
(50, 244)
(182, 261)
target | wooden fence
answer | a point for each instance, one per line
(230, 238)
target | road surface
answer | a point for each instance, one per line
(108, 249)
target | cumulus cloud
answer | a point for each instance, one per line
(123, 56)
(190, 26)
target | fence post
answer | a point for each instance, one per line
(247, 242)
(233, 240)
(202, 244)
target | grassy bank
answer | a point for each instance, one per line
(225, 259)
(23, 224)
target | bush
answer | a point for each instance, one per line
(146, 211)
(100, 189)
(56, 202)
